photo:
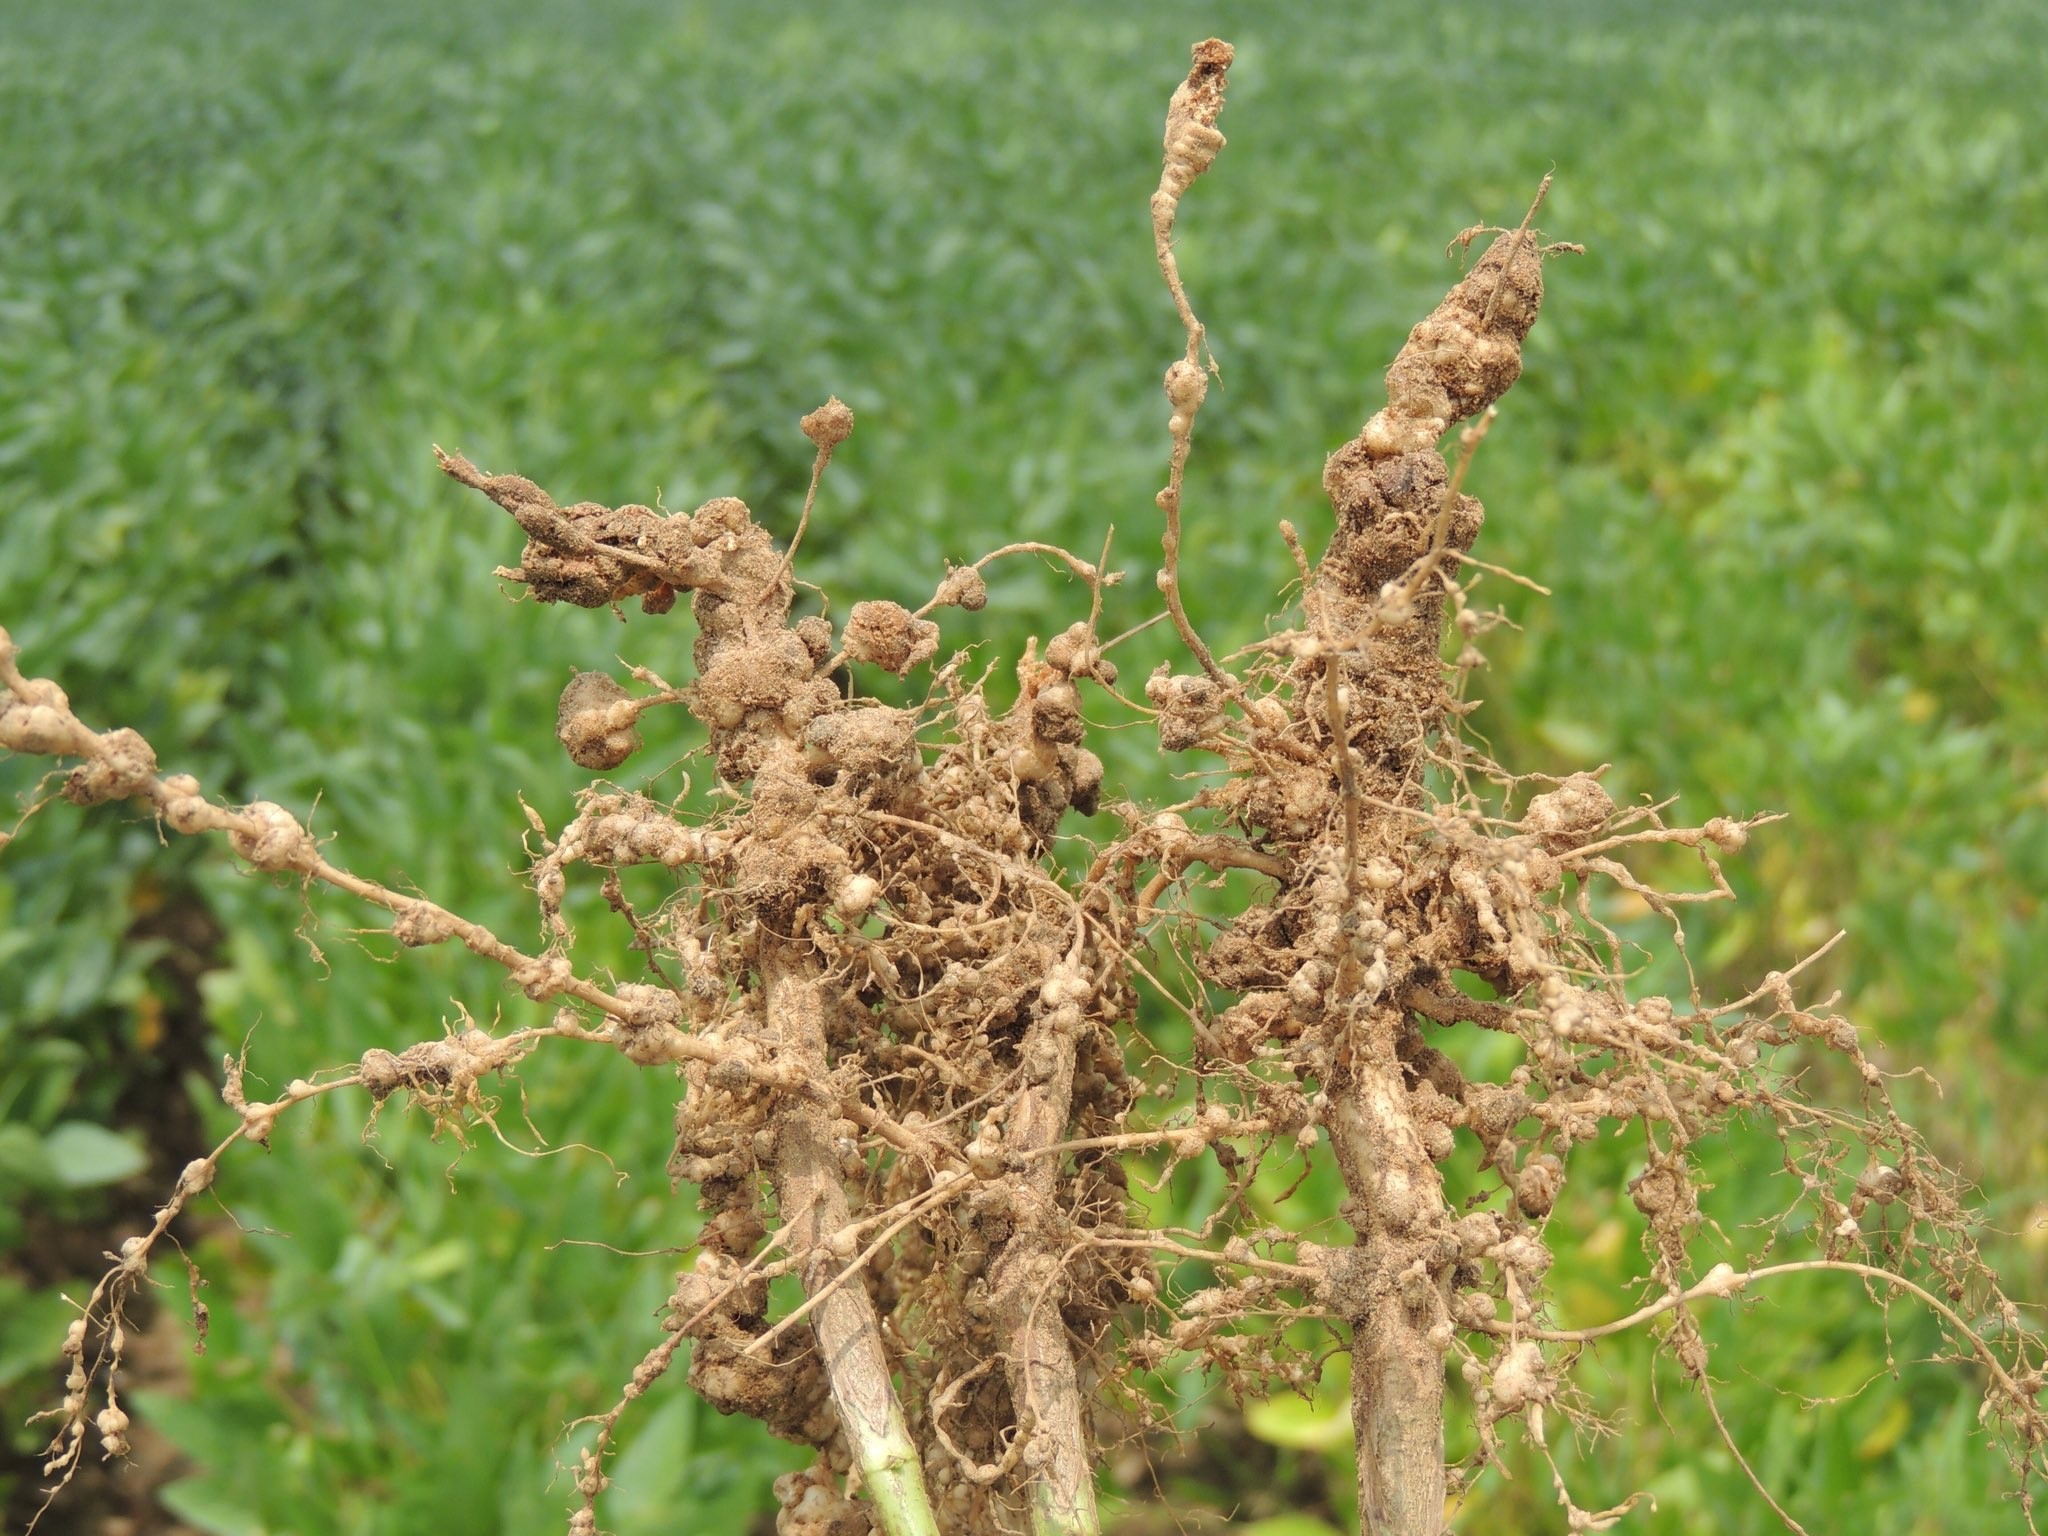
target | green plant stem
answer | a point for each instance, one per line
(1068, 1513)
(894, 1474)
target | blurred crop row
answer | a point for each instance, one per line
(1777, 453)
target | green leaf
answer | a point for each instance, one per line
(31, 1327)
(24, 1158)
(1300, 1425)
(88, 1156)
(1890, 1428)
(209, 1504)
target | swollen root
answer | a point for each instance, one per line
(899, 997)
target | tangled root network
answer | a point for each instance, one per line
(906, 1037)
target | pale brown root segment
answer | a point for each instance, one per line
(1028, 1283)
(1397, 514)
(1392, 1296)
(1192, 143)
(812, 1198)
